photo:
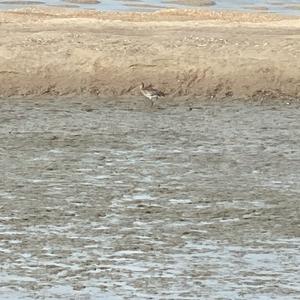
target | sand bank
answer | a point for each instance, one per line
(192, 2)
(183, 52)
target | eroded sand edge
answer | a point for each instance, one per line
(186, 52)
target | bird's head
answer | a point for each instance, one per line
(142, 85)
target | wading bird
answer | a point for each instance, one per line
(150, 93)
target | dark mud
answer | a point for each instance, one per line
(106, 201)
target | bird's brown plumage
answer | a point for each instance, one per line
(150, 92)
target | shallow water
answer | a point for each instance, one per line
(120, 201)
(290, 7)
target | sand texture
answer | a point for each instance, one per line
(192, 2)
(182, 52)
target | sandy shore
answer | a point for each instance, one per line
(183, 52)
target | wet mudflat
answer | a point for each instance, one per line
(106, 201)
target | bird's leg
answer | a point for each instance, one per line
(151, 101)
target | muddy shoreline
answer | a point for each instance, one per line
(99, 201)
(204, 54)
